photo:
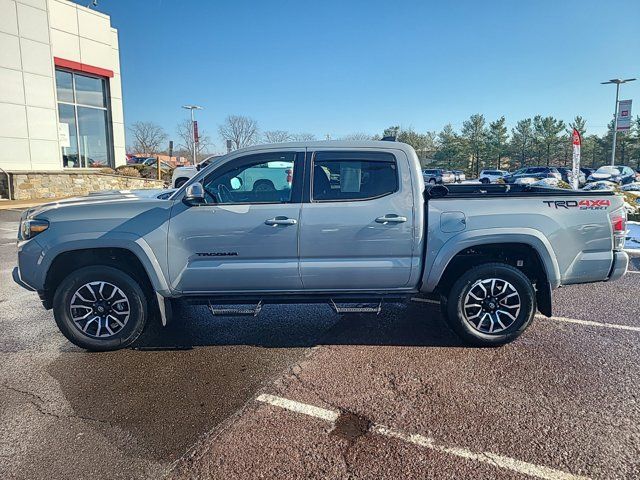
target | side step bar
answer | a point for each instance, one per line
(236, 312)
(338, 309)
(255, 311)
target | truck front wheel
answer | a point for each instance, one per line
(491, 305)
(100, 308)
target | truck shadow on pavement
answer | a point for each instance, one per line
(155, 400)
(297, 326)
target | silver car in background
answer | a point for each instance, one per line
(459, 176)
(491, 176)
(438, 176)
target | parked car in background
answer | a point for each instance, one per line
(153, 163)
(567, 176)
(491, 176)
(535, 173)
(459, 176)
(600, 185)
(138, 160)
(631, 187)
(182, 174)
(438, 175)
(587, 171)
(618, 174)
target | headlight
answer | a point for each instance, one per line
(31, 228)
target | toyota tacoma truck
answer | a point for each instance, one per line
(355, 227)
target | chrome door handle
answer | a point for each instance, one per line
(391, 218)
(281, 221)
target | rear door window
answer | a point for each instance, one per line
(343, 176)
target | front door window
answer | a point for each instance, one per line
(260, 178)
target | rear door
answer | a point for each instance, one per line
(245, 238)
(357, 221)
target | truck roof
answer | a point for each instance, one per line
(331, 144)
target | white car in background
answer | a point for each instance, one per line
(491, 176)
(182, 174)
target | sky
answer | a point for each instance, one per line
(338, 67)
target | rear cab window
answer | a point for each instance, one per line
(353, 176)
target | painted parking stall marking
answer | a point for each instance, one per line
(590, 323)
(576, 321)
(500, 461)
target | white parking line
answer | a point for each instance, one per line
(494, 459)
(590, 323)
(577, 321)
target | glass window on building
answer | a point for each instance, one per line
(83, 108)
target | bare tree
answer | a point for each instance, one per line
(185, 136)
(240, 130)
(276, 136)
(148, 137)
(358, 136)
(303, 137)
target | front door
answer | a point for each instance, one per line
(245, 238)
(356, 231)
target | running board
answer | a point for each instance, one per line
(236, 312)
(338, 309)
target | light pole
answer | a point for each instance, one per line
(193, 129)
(617, 81)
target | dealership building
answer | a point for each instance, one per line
(61, 116)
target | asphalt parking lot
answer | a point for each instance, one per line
(303, 393)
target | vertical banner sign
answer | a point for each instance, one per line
(624, 115)
(576, 140)
(195, 131)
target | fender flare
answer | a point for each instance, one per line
(98, 240)
(458, 243)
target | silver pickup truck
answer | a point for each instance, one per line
(355, 227)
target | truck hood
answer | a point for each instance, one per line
(104, 197)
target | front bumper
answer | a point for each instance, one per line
(620, 265)
(18, 279)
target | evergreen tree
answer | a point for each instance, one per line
(547, 130)
(474, 133)
(522, 140)
(497, 140)
(449, 148)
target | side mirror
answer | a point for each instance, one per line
(194, 195)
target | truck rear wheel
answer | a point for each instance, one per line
(491, 305)
(100, 308)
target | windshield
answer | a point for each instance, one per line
(609, 170)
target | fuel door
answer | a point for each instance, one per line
(451, 222)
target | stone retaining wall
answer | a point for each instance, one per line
(58, 184)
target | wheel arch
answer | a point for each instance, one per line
(118, 256)
(539, 262)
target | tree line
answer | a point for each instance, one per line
(531, 142)
(479, 144)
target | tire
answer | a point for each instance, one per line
(432, 181)
(73, 297)
(180, 182)
(485, 180)
(478, 331)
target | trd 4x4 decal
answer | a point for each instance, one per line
(597, 204)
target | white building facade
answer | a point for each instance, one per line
(60, 89)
